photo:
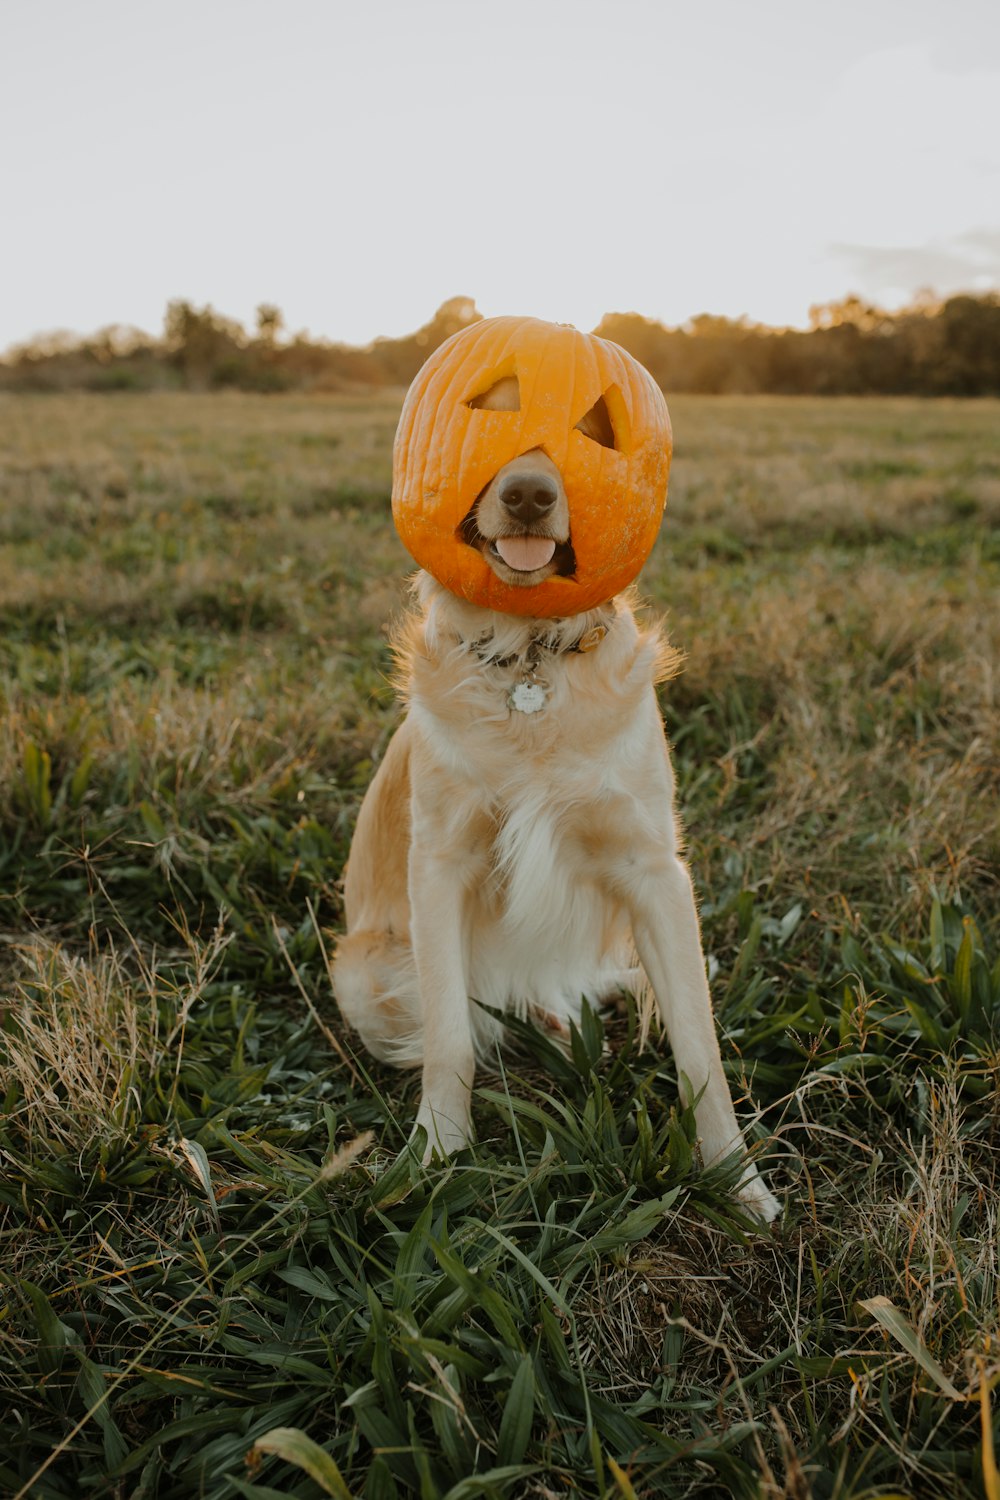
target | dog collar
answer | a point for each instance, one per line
(539, 643)
(530, 693)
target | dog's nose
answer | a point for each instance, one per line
(528, 496)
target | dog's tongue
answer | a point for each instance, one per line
(525, 553)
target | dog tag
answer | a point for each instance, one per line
(528, 697)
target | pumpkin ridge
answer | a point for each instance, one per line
(460, 480)
(595, 378)
(429, 397)
(455, 381)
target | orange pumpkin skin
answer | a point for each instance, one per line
(447, 452)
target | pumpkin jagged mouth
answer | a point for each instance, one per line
(519, 565)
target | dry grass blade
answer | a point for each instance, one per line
(78, 1033)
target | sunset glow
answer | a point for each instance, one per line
(357, 165)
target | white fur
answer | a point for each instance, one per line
(522, 860)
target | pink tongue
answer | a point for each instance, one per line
(525, 553)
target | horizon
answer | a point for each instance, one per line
(284, 335)
(353, 168)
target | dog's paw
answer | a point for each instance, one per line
(445, 1136)
(754, 1195)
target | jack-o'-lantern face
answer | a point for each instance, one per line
(530, 467)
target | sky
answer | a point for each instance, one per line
(357, 162)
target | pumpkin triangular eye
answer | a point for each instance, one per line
(503, 395)
(604, 419)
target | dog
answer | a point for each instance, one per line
(518, 842)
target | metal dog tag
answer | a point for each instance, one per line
(528, 697)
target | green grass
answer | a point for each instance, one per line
(215, 1251)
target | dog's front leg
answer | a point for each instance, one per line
(436, 904)
(668, 940)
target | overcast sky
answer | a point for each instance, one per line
(359, 162)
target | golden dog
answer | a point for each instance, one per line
(525, 858)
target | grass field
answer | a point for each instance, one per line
(209, 1228)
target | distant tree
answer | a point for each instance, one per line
(270, 322)
(400, 359)
(451, 317)
(851, 312)
(970, 345)
(713, 326)
(660, 349)
(118, 341)
(205, 346)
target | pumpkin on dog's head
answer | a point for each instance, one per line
(508, 387)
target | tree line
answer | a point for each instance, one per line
(935, 347)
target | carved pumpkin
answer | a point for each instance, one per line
(586, 404)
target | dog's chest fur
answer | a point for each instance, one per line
(463, 666)
(542, 811)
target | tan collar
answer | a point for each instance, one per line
(538, 643)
